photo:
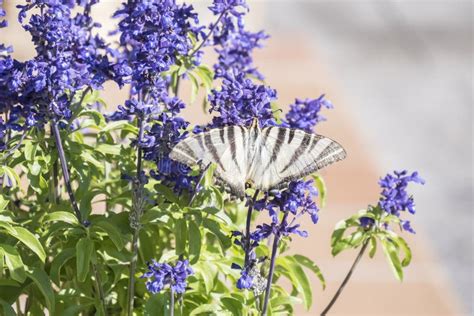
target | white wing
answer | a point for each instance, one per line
(225, 147)
(289, 154)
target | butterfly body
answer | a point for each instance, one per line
(266, 157)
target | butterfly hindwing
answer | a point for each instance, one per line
(225, 147)
(293, 154)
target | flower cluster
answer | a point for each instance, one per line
(250, 276)
(165, 134)
(153, 34)
(395, 198)
(305, 114)
(234, 44)
(163, 274)
(234, 47)
(240, 100)
(69, 59)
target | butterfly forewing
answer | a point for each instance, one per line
(293, 154)
(225, 147)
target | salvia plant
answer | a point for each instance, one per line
(96, 218)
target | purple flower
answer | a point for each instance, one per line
(166, 132)
(240, 100)
(245, 280)
(394, 196)
(366, 222)
(305, 114)
(160, 275)
(222, 6)
(3, 23)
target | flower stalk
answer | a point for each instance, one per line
(247, 227)
(67, 183)
(138, 204)
(346, 279)
(65, 170)
(171, 301)
(276, 241)
(211, 31)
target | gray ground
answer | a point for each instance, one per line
(406, 69)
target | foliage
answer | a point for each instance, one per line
(140, 208)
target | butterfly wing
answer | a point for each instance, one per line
(225, 147)
(290, 154)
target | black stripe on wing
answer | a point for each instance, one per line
(299, 151)
(213, 150)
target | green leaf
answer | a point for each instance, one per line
(3, 204)
(12, 175)
(321, 186)
(207, 309)
(109, 149)
(62, 217)
(84, 250)
(181, 233)
(215, 228)
(30, 241)
(58, 262)
(42, 281)
(341, 228)
(308, 263)
(391, 252)
(403, 245)
(194, 87)
(194, 242)
(120, 125)
(298, 278)
(155, 305)
(113, 233)
(30, 150)
(373, 246)
(7, 310)
(14, 263)
(354, 240)
(232, 305)
(167, 192)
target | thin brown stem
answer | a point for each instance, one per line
(276, 241)
(346, 279)
(208, 35)
(247, 227)
(65, 170)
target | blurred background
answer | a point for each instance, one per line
(400, 76)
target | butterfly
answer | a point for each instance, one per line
(267, 158)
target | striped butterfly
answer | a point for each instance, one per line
(267, 158)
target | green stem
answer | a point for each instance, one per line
(346, 279)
